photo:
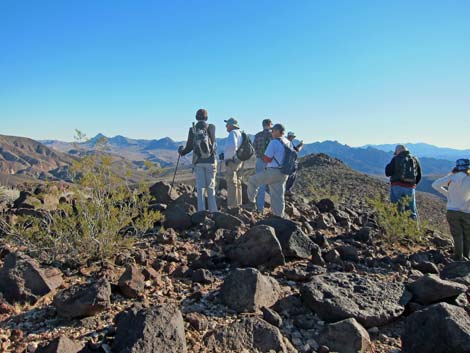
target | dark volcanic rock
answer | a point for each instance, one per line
(426, 267)
(348, 253)
(259, 246)
(227, 221)
(132, 282)
(431, 289)
(247, 290)
(161, 192)
(61, 345)
(371, 301)
(82, 301)
(249, 334)
(325, 205)
(294, 243)
(157, 329)
(440, 328)
(458, 271)
(346, 336)
(23, 280)
(272, 317)
(203, 276)
(177, 218)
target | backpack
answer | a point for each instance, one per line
(202, 143)
(406, 168)
(246, 149)
(289, 166)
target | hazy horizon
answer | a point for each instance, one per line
(363, 72)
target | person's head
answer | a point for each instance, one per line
(291, 136)
(231, 124)
(202, 114)
(278, 131)
(267, 124)
(462, 165)
(400, 149)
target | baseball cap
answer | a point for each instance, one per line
(232, 121)
(291, 134)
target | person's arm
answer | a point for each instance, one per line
(189, 143)
(418, 176)
(230, 146)
(269, 153)
(441, 184)
(389, 169)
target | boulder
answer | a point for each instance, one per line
(177, 218)
(458, 271)
(440, 328)
(348, 253)
(430, 289)
(203, 276)
(294, 242)
(61, 344)
(367, 298)
(85, 300)
(156, 329)
(161, 192)
(227, 221)
(346, 336)
(247, 290)
(132, 282)
(257, 247)
(248, 335)
(27, 200)
(22, 279)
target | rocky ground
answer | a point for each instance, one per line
(321, 280)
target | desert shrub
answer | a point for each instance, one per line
(103, 216)
(396, 224)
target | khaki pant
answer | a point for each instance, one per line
(205, 180)
(234, 183)
(459, 223)
(277, 186)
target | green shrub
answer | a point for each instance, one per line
(397, 225)
(104, 215)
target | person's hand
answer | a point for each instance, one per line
(221, 156)
(180, 150)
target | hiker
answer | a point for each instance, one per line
(291, 137)
(404, 171)
(201, 140)
(456, 187)
(261, 141)
(233, 165)
(291, 178)
(274, 175)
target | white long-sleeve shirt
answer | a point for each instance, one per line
(456, 187)
(234, 142)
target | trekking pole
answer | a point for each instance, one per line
(174, 175)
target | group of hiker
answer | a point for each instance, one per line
(275, 171)
(404, 171)
(276, 161)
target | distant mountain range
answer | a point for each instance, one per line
(427, 150)
(44, 159)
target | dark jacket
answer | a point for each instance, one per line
(261, 141)
(190, 142)
(392, 171)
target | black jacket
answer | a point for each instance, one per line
(391, 170)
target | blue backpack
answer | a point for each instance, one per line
(289, 166)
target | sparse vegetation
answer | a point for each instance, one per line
(397, 226)
(102, 216)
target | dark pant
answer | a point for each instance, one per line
(459, 223)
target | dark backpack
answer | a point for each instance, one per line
(246, 149)
(406, 168)
(289, 166)
(202, 143)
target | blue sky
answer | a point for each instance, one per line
(354, 71)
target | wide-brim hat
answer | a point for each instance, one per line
(232, 121)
